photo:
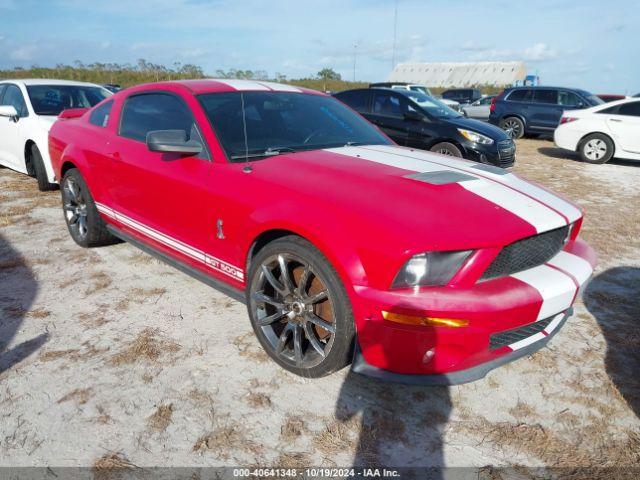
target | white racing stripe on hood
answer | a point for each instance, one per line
(563, 207)
(541, 217)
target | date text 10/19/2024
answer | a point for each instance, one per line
(316, 472)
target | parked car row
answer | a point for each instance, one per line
(414, 119)
(416, 267)
(28, 108)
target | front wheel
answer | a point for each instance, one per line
(596, 148)
(448, 149)
(299, 308)
(85, 225)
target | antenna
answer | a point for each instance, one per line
(247, 168)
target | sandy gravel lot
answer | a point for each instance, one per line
(109, 356)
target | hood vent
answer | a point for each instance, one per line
(443, 177)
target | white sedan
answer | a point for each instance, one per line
(600, 133)
(28, 108)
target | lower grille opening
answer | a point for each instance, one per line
(509, 337)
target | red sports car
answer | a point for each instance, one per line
(417, 267)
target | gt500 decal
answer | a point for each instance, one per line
(173, 243)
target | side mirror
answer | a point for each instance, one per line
(8, 111)
(413, 116)
(172, 141)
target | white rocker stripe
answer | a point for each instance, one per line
(538, 336)
(198, 255)
(537, 214)
(556, 288)
(577, 267)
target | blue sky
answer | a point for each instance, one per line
(588, 43)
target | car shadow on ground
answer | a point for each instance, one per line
(562, 154)
(400, 425)
(613, 298)
(19, 289)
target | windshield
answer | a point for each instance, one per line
(594, 100)
(420, 88)
(284, 122)
(52, 99)
(433, 107)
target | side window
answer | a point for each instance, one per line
(146, 112)
(100, 115)
(631, 109)
(568, 99)
(387, 105)
(13, 96)
(486, 101)
(2, 89)
(545, 96)
(523, 95)
(610, 110)
(356, 99)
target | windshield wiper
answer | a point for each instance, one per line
(355, 144)
(269, 152)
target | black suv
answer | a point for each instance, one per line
(416, 120)
(462, 95)
(534, 110)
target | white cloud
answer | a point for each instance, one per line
(26, 52)
(539, 51)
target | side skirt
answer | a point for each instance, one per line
(193, 272)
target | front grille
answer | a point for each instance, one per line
(527, 253)
(506, 153)
(508, 337)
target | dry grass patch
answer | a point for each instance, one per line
(161, 418)
(14, 262)
(258, 400)
(225, 440)
(79, 396)
(248, 347)
(523, 410)
(87, 352)
(292, 428)
(149, 345)
(100, 281)
(294, 460)
(334, 437)
(39, 313)
(110, 465)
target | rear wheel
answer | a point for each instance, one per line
(39, 171)
(446, 148)
(85, 225)
(596, 148)
(299, 309)
(513, 126)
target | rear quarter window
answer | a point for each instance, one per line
(100, 116)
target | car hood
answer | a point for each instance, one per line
(413, 198)
(491, 131)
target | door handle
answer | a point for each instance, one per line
(616, 120)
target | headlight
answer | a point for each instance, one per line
(430, 269)
(475, 137)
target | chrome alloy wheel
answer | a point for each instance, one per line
(294, 310)
(595, 149)
(512, 128)
(75, 207)
(445, 151)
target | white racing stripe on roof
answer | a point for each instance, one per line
(556, 288)
(565, 208)
(541, 217)
(578, 267)
(279, 87)
(244, 85)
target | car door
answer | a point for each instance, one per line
(164, 197)
(544, 111)
(11, 141)
(625, 126)
(387, 113)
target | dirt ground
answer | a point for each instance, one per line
(108, 357)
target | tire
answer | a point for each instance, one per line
(39, 171)
(84, 223)
(287, 312)
(513, 126)
(596, 148)
(446, 148)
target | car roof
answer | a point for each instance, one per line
(214, 85)
(45, 81)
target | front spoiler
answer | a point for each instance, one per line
(361, 366)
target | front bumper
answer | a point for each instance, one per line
(501, 155)
(492, 309)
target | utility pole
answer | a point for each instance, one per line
(355, 56)
(395, 36)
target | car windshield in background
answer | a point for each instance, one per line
(593, 99)
(280, 122)
(433, 107)
(53, 99)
